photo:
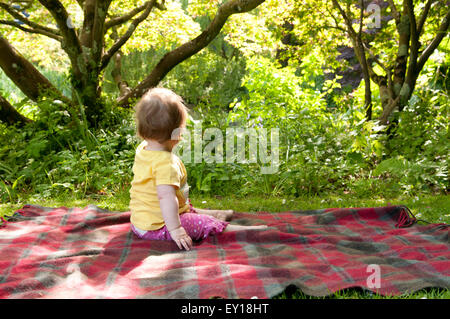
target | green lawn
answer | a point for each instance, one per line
(432, 208)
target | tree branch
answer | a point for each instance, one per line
(361, 17)
(378, 79)
(72, 45)
(401, 60)
(395, 12)
(70, 42)
(412, 23)
(434, 43)
(36, 28)
(122, 40)
(375, 59)
(115, 21)
(20, 17)
(89, 16)
(116, 73)
(347, 20)
(383, 119)
(414, 48)
(186, 50)
(365, 66)
(423, 17)
(358, 48)
(9, 115)
(326, 26)
(30, 30)
(336, 22)
(27, 78)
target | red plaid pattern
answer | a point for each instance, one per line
(92, 253)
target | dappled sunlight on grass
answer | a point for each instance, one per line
(432, 208)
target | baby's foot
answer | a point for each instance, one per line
(258, 227)
(233, 227)
(217, 213)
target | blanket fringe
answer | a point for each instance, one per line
(12, 218)
(406, 218)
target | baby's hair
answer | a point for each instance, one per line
(159, 113)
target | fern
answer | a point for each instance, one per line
(395, 166)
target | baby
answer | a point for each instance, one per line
(159, 203)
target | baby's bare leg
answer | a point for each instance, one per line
(231, 227)
(217, 213)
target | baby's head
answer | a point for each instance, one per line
(160, 114)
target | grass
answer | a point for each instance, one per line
(432, 208)
(292, 292)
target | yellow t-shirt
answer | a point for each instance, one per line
(153, 168)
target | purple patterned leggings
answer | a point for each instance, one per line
(197, 226)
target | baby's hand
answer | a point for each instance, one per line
(181, 238)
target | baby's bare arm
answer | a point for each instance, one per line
(168, 203)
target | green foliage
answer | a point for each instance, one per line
(419, 151)
(412, 176)
(326, 149)
(322, 149)
(326, 145)
(317, 146)
(56, 157)
(207, 78)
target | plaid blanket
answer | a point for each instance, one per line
(91, 253)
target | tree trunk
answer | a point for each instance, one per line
(87, 92)
(116, 72)
(401, 92)
(360, 54)
(27, 78)
(91, 39)
(402, 55)
(358, 48)
(9, 115)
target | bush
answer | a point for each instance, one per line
(50, 156)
